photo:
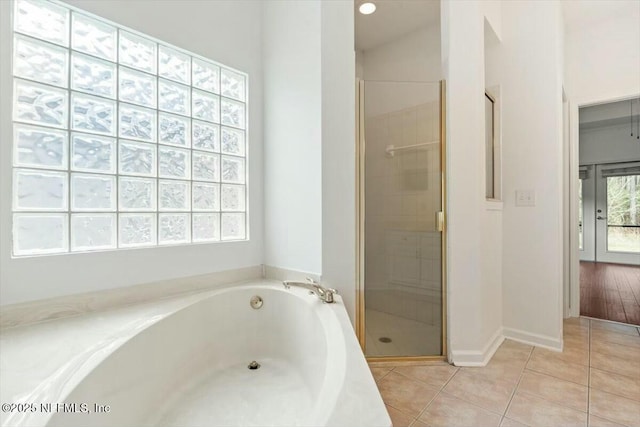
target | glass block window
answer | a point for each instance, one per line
(120, 140)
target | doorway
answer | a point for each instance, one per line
(609, 212)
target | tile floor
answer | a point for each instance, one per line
(595, 381)
(403, 333)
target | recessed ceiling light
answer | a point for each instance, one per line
(367, 8)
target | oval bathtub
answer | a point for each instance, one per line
(191, 368)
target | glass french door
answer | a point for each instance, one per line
(617, 213)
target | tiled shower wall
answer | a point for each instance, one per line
(402, 196)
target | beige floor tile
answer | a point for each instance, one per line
(562, 392)
(491, 394)
(617, 365)
(418, 423)
(512, 351)
(570, 354)
(398, 418)
(449, 411)
(505, 369)
(615, 384)
(615, 408)
(582, 321)
(379, 373)
(575, 330)
(615, 327)
(434, 376)
(508, 422)
(407, 395)
(616, 338)
(550, 364)
(617, 350)
(535, 411)
(601, 422)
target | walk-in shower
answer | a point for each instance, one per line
(401, 217)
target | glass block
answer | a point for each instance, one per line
(205, 106)
(206, 76)
(137, 52)
(206, 167)
(93, 114)
(174, 98)
(136, 230)
(174, 195)
(137, 123)
(136, 194)
(233, 141)
(174, 228)
(92, 193)
(205, 196)
(39, 61)
(206, 227)
(92, 153)
(93, 231)
(233, 170)
(233, 198)
(136, 158)
(206, 136)
(232, 84)
(43, 20)
(40, 147)
(174, 130)
(233, 226)
(174, 65)
(136, 87)
(91, 36)
(36, 190)
(93, 75)
(35, 234)
(232, 113)
(39, 104)
(174, 163)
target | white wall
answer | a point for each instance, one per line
(414, 57)
(293, 135)
(338, 151)
(603, 58)
(532, 66)
(474, 316)
(226, 31)
(608, 145)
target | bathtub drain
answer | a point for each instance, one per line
(253, 365)
(384, 339)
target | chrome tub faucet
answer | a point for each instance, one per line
(325, 294)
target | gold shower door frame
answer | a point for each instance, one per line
(360, 217)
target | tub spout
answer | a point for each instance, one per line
(325, 294)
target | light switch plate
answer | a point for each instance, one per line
(525, 198)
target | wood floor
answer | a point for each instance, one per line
(610, 292)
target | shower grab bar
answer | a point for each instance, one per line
(391, 149)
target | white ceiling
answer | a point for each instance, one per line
(393, 19)
(582, 13)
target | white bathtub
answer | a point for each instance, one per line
(190, 368)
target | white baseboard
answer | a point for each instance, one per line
(536, 340)
(475, 357)
(77, 304)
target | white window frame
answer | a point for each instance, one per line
(117, 211)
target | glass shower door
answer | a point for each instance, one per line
(401, 196)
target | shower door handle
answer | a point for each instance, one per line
(440, 221)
